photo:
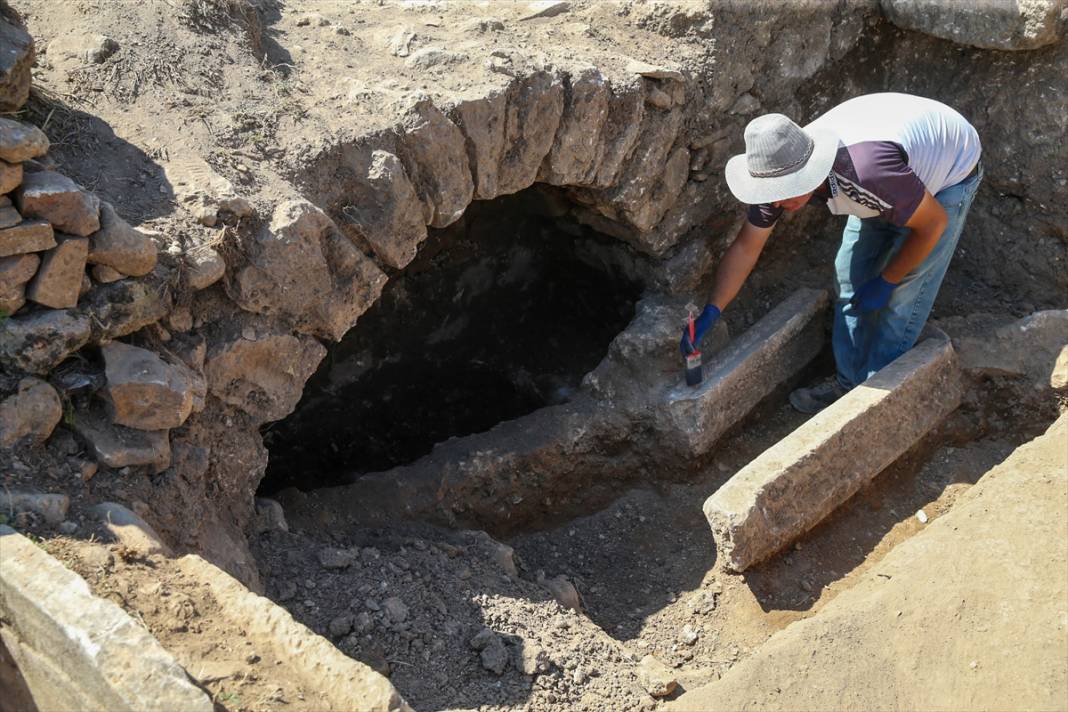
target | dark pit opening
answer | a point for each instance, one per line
(500, 314)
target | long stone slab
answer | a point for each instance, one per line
(340, 682)
(770, 352)
(77, 651)
(797, 482)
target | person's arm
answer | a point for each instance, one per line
(738, 261)
(927, 225)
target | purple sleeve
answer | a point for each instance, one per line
(763, 215)
(882, 168)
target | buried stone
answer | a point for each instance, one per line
(495, 318)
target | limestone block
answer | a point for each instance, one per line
(59, 278)
(59, 200)
(572, 159)
(738, 377)
(990, 25)
(10, 176)
(203, 268)
(39, 342)
(435, 158)
(796, 483)
(51, 507)
(20, 142)
(77, 651)
(145, 392)
(289, 273)
(116, 446)
(343, 683)
(119, 246)
(16, 59)
(26, 236)
(130, 530)
(387, 211)
(31, 412)
(265, 378)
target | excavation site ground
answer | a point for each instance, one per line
(340, 370)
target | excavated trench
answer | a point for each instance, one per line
(500, 314)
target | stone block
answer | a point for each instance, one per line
(57, 199)
(990, 25)
(119, 246)
(38, 342)
(738, 377)
(10, 176)
(339, 681)
(116, 446)
(123, 307)
(51, 507)
(796, 483)
(59, 278)
(146, 392)
(203, 268)
(31, 413)
(78, 651)
(387, 212)
(20, 142)
(16, 59)
(130, 530)
(18, 269)
(26, 236)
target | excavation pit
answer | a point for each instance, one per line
(500, 314)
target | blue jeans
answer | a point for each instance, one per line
(863, 344)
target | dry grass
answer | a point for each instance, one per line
(217, 15)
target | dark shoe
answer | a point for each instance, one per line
(812, 400)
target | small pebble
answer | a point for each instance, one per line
(68, 527)
(922, 516)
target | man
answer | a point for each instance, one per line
(905, 169)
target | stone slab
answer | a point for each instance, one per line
(116, 446)
(796, 483)
(343, 683)
(771, 351)
(77, 651)
(27, 236)
(59, 278)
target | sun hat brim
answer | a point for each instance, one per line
(753, 191)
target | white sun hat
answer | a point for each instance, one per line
(781, 160)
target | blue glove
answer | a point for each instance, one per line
(701, 325)
(872, 296)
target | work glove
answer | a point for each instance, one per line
(701, 325)
(872, 296)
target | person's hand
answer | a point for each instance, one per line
(872, 296)
(701, 325)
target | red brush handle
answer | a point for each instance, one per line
(692, 330)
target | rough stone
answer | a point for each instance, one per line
(563, 591)
(9, 217)
(77, 651)
(203, 192)
(544, 8)
(123, 307)
(434, 155)
(572, 159)
(737, 378)
(203, 268)
(652, 71)
(530, 658)
(119, 246)
(10, 176)
(105, 274)
(20, 142)
(77, 48)
(341, 625)
(50, 507)
(492, 653)
(129, 529)
(59, 278)
(796, 483)
(395, 609)
(57, 199)
(269, 516)
(31, 412)
(12, 297)
(1027, 348)
(116, 446)
(343, 683)
(146, 392)
(15, 272)
(991, 25)
(16, 59)
(290, 273)
(386, 210)
(655, 677)
(39, 342)
(400, 44)
(26, 236)
(334, 558)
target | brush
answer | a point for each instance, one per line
(693, 359)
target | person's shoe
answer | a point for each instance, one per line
(812, 400)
